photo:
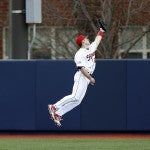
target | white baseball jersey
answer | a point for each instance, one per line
(86, 57)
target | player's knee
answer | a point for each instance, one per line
(77, 100)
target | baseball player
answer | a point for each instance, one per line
(85, 62)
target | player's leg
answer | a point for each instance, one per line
(53, 108)
(71, 101)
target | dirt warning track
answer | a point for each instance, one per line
(78, 136)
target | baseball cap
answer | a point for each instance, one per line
(79, 39)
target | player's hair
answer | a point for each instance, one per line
(80, 45)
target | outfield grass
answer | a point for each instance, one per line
(74, 144)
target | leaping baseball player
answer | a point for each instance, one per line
(85, 62)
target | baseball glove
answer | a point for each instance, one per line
(102, 24)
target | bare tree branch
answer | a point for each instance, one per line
(132, 44)
(86, 13)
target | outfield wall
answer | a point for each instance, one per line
(119, 101)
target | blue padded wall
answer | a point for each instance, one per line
(17, 95)
(138, 95)
(119, 101)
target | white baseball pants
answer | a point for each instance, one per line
(69, 102)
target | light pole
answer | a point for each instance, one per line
(18, 30)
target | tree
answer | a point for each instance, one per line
(80, 16)
(119, 15)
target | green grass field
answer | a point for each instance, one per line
(73, 144)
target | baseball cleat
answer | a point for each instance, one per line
(56, 118)
(52, 110)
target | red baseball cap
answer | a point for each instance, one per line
(79, 39)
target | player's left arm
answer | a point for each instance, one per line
(94, 45)
(99, 37)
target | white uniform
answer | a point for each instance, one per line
(86, 58)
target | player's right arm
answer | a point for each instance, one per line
(85, 73)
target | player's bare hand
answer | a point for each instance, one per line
(102, 30)
(92, 81)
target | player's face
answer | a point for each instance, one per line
(86, 41)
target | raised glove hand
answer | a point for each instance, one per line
(102, 24)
